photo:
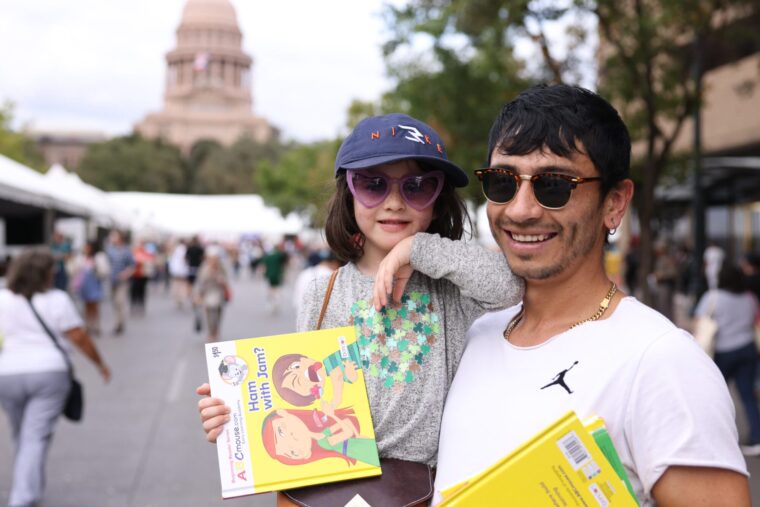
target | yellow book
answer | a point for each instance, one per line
(299, 411)
(561, 465)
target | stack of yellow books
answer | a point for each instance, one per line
(568, 463)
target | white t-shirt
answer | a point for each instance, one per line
(663, 400)
(26, 347)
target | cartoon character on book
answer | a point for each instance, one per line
(300, 380)
(297, 437)
(233, 370)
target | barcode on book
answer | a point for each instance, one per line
(574, 450)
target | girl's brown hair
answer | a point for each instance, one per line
(346, 240)
(31, 272)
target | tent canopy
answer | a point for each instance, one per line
(212, 216)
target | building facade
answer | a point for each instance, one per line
(208, 92)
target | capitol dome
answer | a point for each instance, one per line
(209, 12)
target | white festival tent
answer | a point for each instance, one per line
(213, 217)
(25, 186)
(100, 208)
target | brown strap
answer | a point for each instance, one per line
(327, 298)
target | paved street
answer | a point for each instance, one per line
(140, 444)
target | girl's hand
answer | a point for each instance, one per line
(393, 274)
(214, 413)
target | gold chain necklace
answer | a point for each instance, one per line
(602, 308)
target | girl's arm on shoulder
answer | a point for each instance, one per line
(480, 274)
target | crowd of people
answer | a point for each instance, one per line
(537, 325)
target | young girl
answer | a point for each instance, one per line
(396, 215)
(296, 437)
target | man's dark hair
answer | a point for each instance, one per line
(560, 118)
(31, 272)
(341, 229)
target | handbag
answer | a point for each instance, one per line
(73, 409)
(402, 483)
(705, 329)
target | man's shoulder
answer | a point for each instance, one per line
(492, 323)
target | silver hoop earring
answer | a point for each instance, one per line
(612, 231)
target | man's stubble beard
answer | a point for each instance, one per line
(577, 247)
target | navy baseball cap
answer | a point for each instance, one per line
(394, 137)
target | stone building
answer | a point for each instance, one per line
(65, 147)
(208, 82)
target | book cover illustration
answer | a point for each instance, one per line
(561, 465)
(299, 411)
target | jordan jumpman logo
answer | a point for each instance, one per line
(559, 379)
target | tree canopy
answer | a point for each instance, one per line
(16, 145)
(646, 52)
(133, 163)
(302, 180)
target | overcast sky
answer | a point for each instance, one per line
(99, 64)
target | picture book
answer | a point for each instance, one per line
(299, 411)
(561, 465)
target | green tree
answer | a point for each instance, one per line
(455, 83)
(301, 180)
(132, 163)
(16, 145)
(645, 55)
(232, 170)
(198, 155)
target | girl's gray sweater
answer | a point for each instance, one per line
(411, 351)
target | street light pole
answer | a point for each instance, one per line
(698, 209)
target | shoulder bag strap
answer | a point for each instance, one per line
(328, 292)
(69, 366)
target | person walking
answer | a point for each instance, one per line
(274, 263)
(178, 272)
(91, 269)
(60, 246)
(122, 266)
(212, 291)
(34, 378)
(736, 311)
(144, 269)
(194, 257)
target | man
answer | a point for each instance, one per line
(122, 267)
(576, 342)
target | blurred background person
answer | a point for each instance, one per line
(61, 248)
(91, 270)
(194, 258)
(122, 266)
(320, 263)
(34, 378)
(274, 271)
(750, 265)
(736, 311)
(713, 260)
(663, 279)
(143, 271)
(212, 291)
(178, 271)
